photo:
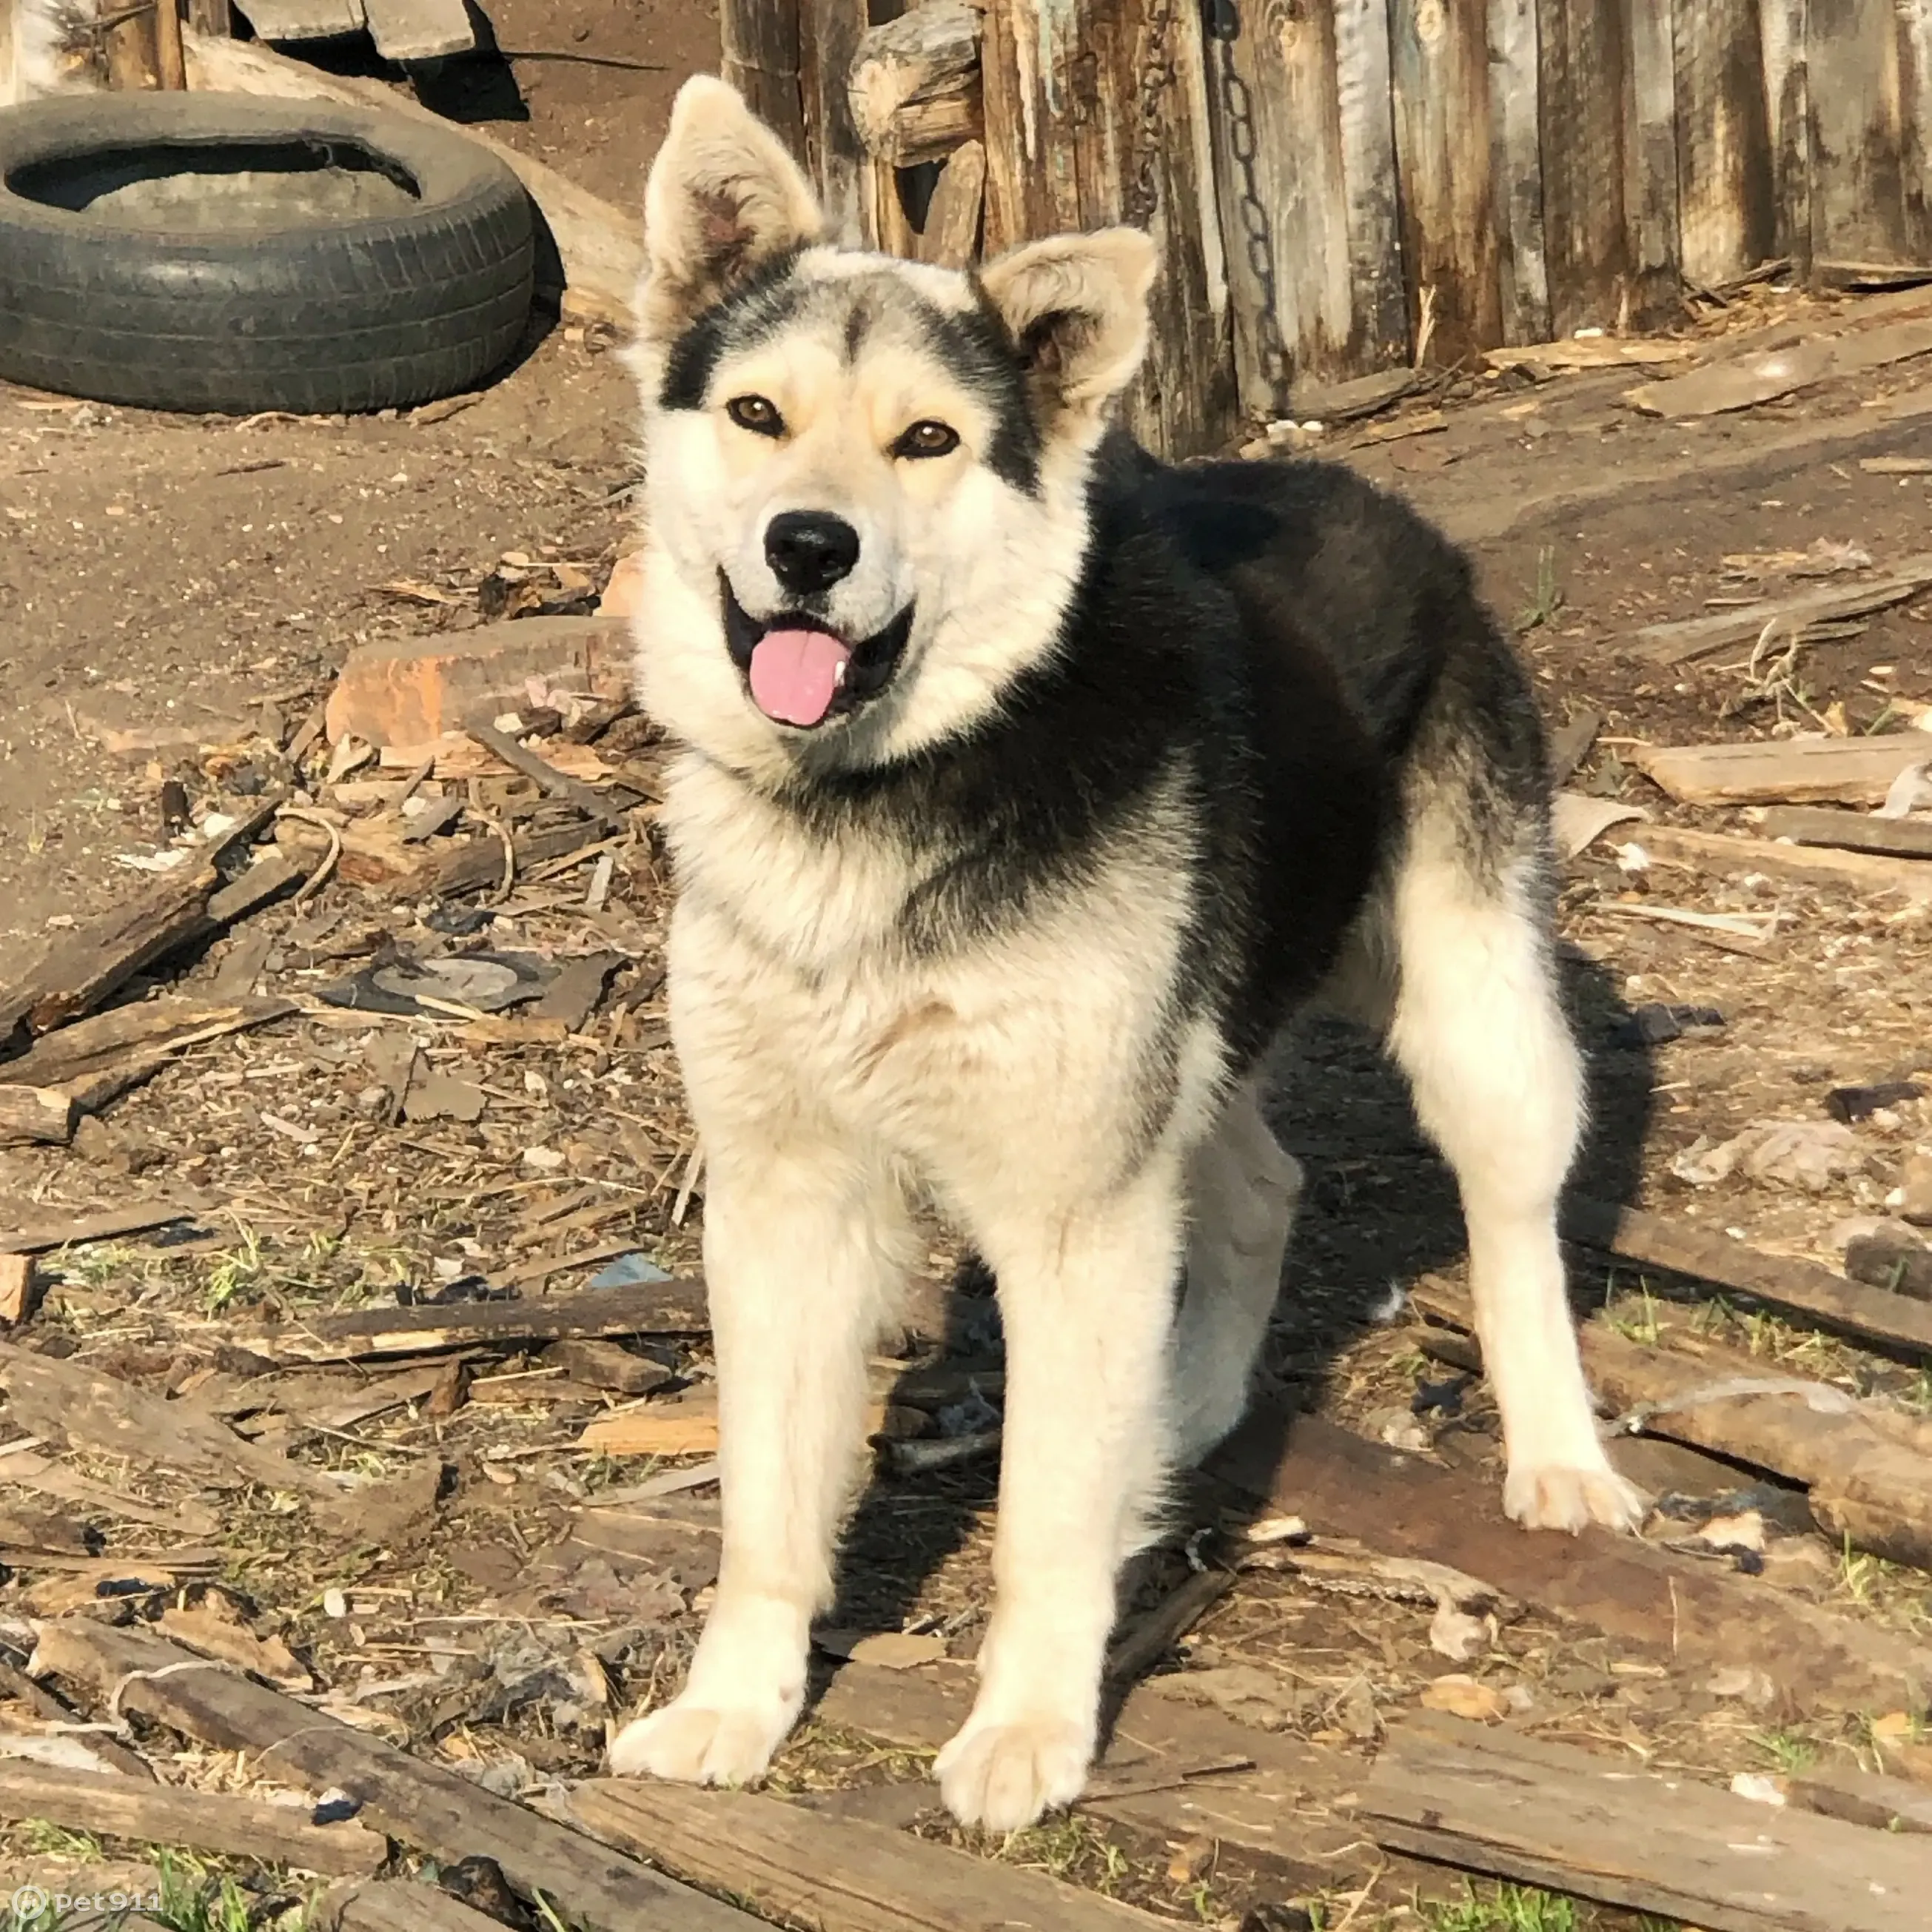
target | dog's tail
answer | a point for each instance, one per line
(54, 49)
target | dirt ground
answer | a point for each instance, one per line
(175, 595)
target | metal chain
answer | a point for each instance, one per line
(1257, 237)
(1157, 76)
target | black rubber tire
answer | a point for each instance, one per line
(319, 317)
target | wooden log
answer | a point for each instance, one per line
(837, 1875)
(68, 1402)
(1603, 1828)
(1891, 1322)
(1851, 831)
(599, 253)
(438, 1812)
(1074, 140)
(652, 1308)
(1439, 67)
(419, 30)
(85, 1047)
(759, 55)
(950, 239)
(1344, 1485)
(1516, 166)
(166, 1814)
(1866, 1484)
(35, 1116)
(1726, 180)
(913, 86)
(170, 63)
(1775, 771)
(1856, 871)
(1305, 166)
(78, 971)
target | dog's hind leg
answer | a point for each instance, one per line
(1086, 1297)
(1243, 1188)
(806, 1248)
(1478, 1026)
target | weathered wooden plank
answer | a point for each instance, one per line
(1378, 296)
(950, 239)
(759, 55)
(293, 20)
(1727, 181)
(829, 32)
(1771, 771)
(1849, 831)
(1605, 1829)
(1685, 639)
(1581, 63)
(1097, 113)
(1893, 1321)
(838, 1875)
(1654, 290)
(1439, 70)
(1781, 31)
(1867, 188)
(424, 1805)
(1516, 167)
(1720, 852)
(160, 1814)
(34, 1116)
(415, 30)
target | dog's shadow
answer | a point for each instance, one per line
(1379, 1208)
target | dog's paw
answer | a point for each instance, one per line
(1564, 1496)
(1003, 1776)
(696, 1744)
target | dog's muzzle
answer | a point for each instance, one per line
(800, 674)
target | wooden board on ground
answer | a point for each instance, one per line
(837, 1875)
(1783, 619)
(651, 1308)
(1785, 771)
(1893, 1321)
(1850, 831)
(1344, 1485)
(432, 1810)
(44, 1238)
(35, 1116)
(295, 20)
(205, 1821)
(84, 1049)
(415, 30)
(1604, 1828)
(1721, 852)
(67, 1401)
(396, 1905)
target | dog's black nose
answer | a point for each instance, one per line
(809, 550)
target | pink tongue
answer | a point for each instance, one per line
(795, 674)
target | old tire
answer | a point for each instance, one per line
(210, 252)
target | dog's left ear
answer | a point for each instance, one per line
(723, 198)
(1076, 307)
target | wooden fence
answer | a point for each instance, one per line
(1340, 185)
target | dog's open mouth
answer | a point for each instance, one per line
(800, 674)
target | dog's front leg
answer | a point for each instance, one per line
(805, 1250)
(1087, 1300)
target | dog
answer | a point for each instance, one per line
(1027, 789)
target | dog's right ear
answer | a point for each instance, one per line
(723, 198)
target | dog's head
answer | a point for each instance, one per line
(866, 477)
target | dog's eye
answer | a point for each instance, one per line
(928, 439)
(755, 414)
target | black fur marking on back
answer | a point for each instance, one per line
(754, 310)
(1264, 654)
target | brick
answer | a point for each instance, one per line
(412, 691)
(623, 595)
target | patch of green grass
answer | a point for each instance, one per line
(1502, 1908)
(1789, 1751)
(1636, 1322)
(1548, 599)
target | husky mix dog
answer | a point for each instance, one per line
(1028, 788)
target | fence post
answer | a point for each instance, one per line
(759, 50)
(1097, 113)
